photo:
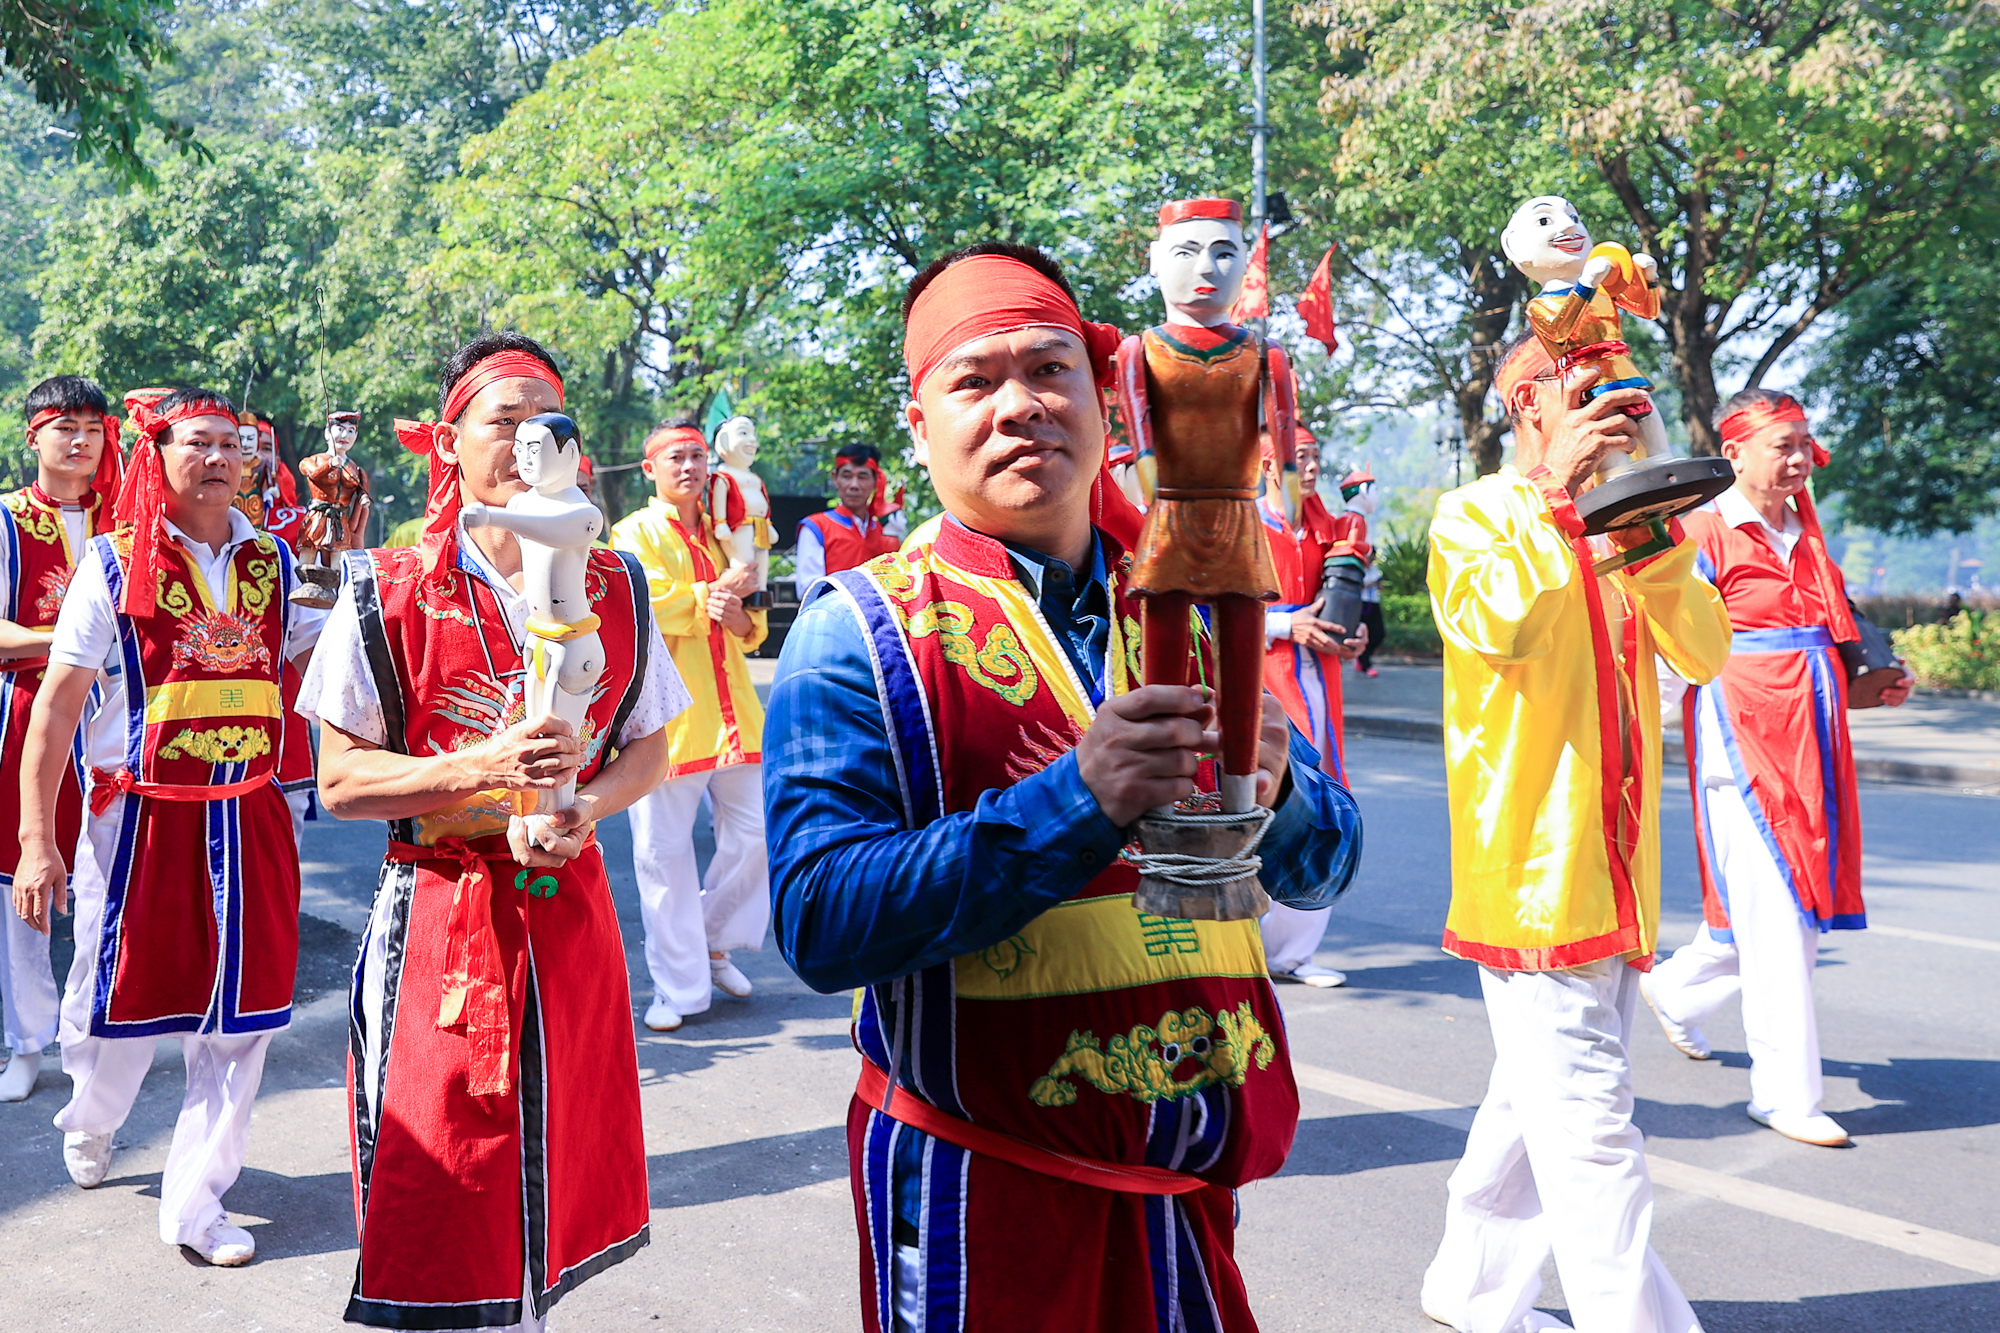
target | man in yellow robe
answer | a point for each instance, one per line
(1552, 750)
(692, 922)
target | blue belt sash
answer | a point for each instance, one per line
(1792, 639)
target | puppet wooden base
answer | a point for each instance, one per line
(319, 586)
(1213, 839)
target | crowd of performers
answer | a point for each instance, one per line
(959, 743)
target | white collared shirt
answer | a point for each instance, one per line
(1737, 512)
(86, 630)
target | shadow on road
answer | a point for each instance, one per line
(1340, 1145)
(1914, 1096)
(1972, 1308)
(1441, 976)
(774, 1165)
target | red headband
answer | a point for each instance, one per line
(661, 441)
(142, 497)
(1181, 210)
(110, 472)
(988, 294)
(440, 537)
(1748, 420)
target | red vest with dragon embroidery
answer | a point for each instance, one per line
(453, 674)
(1093, 1030)
(42, 565)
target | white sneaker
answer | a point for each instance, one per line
(1819, 1130)
(661, 1017)
(19, 1080)
(224, 1245)
(88, 1157)
(1312, 974)
(729, 978)
(1687, 1038)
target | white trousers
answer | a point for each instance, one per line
(1292, 936)
(1554, 1164)
(688, 915)
(28, 990)
(1770, 965)
(298, 802)
(213, 1133)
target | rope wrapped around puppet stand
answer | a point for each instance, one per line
(1197, 864)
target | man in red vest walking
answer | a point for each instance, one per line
(187, 878)
(1058, 1093)
(853, 532)
(1776, 814)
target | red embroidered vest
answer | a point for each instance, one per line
(450, 675)
(1097, 1029)
(41, 564)
(845, 548)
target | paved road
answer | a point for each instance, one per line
(752, 1228)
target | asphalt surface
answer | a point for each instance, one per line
(753, 1230)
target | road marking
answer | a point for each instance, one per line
(1932, 937)
(1975, 1256)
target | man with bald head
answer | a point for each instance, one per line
(959, 748)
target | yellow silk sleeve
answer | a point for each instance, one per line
(1499, 566)
(1684, 612)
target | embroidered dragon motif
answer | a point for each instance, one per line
(218, 641)
(1146, 1062)
(223, 745)
(1000, 664)
(55, 587)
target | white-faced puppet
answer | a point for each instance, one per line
(739, 504)
(557, 524)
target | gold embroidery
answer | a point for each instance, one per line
(1129, 631)
(34, 520)
(224, 745)
(1001, 664)
(254, 591)
(217, 641)
(171, 595)
(895, 578)
(1005, 957)
(1144, 1063)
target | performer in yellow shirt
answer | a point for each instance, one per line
(717, 743)
(1552, 752)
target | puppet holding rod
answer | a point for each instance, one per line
(556, 523)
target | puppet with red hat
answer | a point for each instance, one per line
(1777, 818)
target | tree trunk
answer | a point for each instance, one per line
(1497, 287)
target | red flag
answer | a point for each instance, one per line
(1255, 300)
(1316, 305)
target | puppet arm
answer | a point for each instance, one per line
(1138, 413)
(1281, 413)
(573, 528)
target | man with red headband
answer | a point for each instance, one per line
(1776, 815)
(961, 746)
(694, 922)
(43, 529)
(1552, 759)
(498, 1155)
(186, 877)
(855, 530)
(1302, 669)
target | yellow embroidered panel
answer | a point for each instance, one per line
(1186, 1051)
(1102, 944)
(219, 745)
(212, 698)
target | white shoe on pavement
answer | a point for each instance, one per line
(88, 1157)
(729, 978)
(1687, 1038)
(1819, 1130)
(19, 1080)
(1312, 974)
(224, 1245)
(661, 1017)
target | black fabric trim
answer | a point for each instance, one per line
(642, 615)
(382, 666)
(385, 1314)
(595, 1264)
(534, 1129)
(402, 885)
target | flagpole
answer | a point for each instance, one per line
(1259, 132)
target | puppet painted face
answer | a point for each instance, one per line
(736, 442)
(340, 435)
(246, 442)
(1200, 264)
(546, 451)
(1546, 239)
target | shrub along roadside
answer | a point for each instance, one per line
(1961, 654)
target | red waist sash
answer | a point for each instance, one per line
(921, 1115)
(106, 785)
